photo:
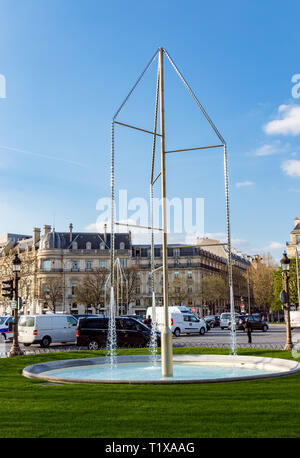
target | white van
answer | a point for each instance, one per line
(225, 318)
(182, 320)
(6, 329)
(295, 319)
(47, 329)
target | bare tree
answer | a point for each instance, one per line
(90, 291)
(52, 293)
(178, 290)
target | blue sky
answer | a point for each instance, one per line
(68, 65)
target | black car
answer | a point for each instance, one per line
(212, 320)
(92, 332)
(137, 317)
(257, 323)
(87, 315)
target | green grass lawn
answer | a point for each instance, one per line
(258, 408)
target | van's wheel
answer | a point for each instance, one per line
(2, 337)
(265, 328)
(93, 345)
(26, 344)
(177, 332)
(212, 325)
(46, 341)
(202, 331)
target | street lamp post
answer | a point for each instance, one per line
(285, 265)
(16, 267)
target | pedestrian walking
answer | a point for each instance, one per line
(248, 327)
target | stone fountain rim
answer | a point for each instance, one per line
(282, 367)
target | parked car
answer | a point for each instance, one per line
(92, 332)
(47, 329)
(137, 317)
(295, 319)
(182, 320)
(257, 323)
(213, 320)
(225, 318)
(86, 315)
(6, 327)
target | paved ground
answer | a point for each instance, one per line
(274, 338)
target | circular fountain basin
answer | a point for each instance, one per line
(140, 369)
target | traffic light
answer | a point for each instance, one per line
(8, 289)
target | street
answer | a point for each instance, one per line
(274, 338)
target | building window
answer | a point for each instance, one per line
(46, 265)
(73, 289)
(190, 274)
(74, 266)
(176, 252)
(138, 252)
(74, 245)
(45, 288)
(138, 290)
(137, 302)
(176, 274)
(297, 239)
(176, 262)
(123, 262)
(189, 262)
(150, 289)
(88, 245)
(102, 246)
(88, 265)
(190, 289)
(122, 246)
(103, 264)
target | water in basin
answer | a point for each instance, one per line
(148, 372)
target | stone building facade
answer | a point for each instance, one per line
(294, 245)
(70, 256)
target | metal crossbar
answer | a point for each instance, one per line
(142, 227)
(137, 128)
(193, 149)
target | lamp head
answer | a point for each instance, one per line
(16, 264)
(285, 262)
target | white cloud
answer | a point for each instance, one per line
(291, 167)
(272, 148)
(275, 246)
(288, 122)
(244, 183)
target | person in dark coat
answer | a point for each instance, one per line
(248, 327)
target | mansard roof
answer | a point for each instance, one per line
(61, 240)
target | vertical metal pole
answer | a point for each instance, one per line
(112, 216)
(297, 271)
(232, 309)
(249, 293)
(15, 349)
(288, 344)
(166, 336)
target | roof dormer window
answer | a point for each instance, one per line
(122, 246)
(74, 245)
(102, 246)
(88, 245)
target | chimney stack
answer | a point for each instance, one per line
(36, 235)
(296, 221)
(47, 229)
(105, 235)
(71, 231)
